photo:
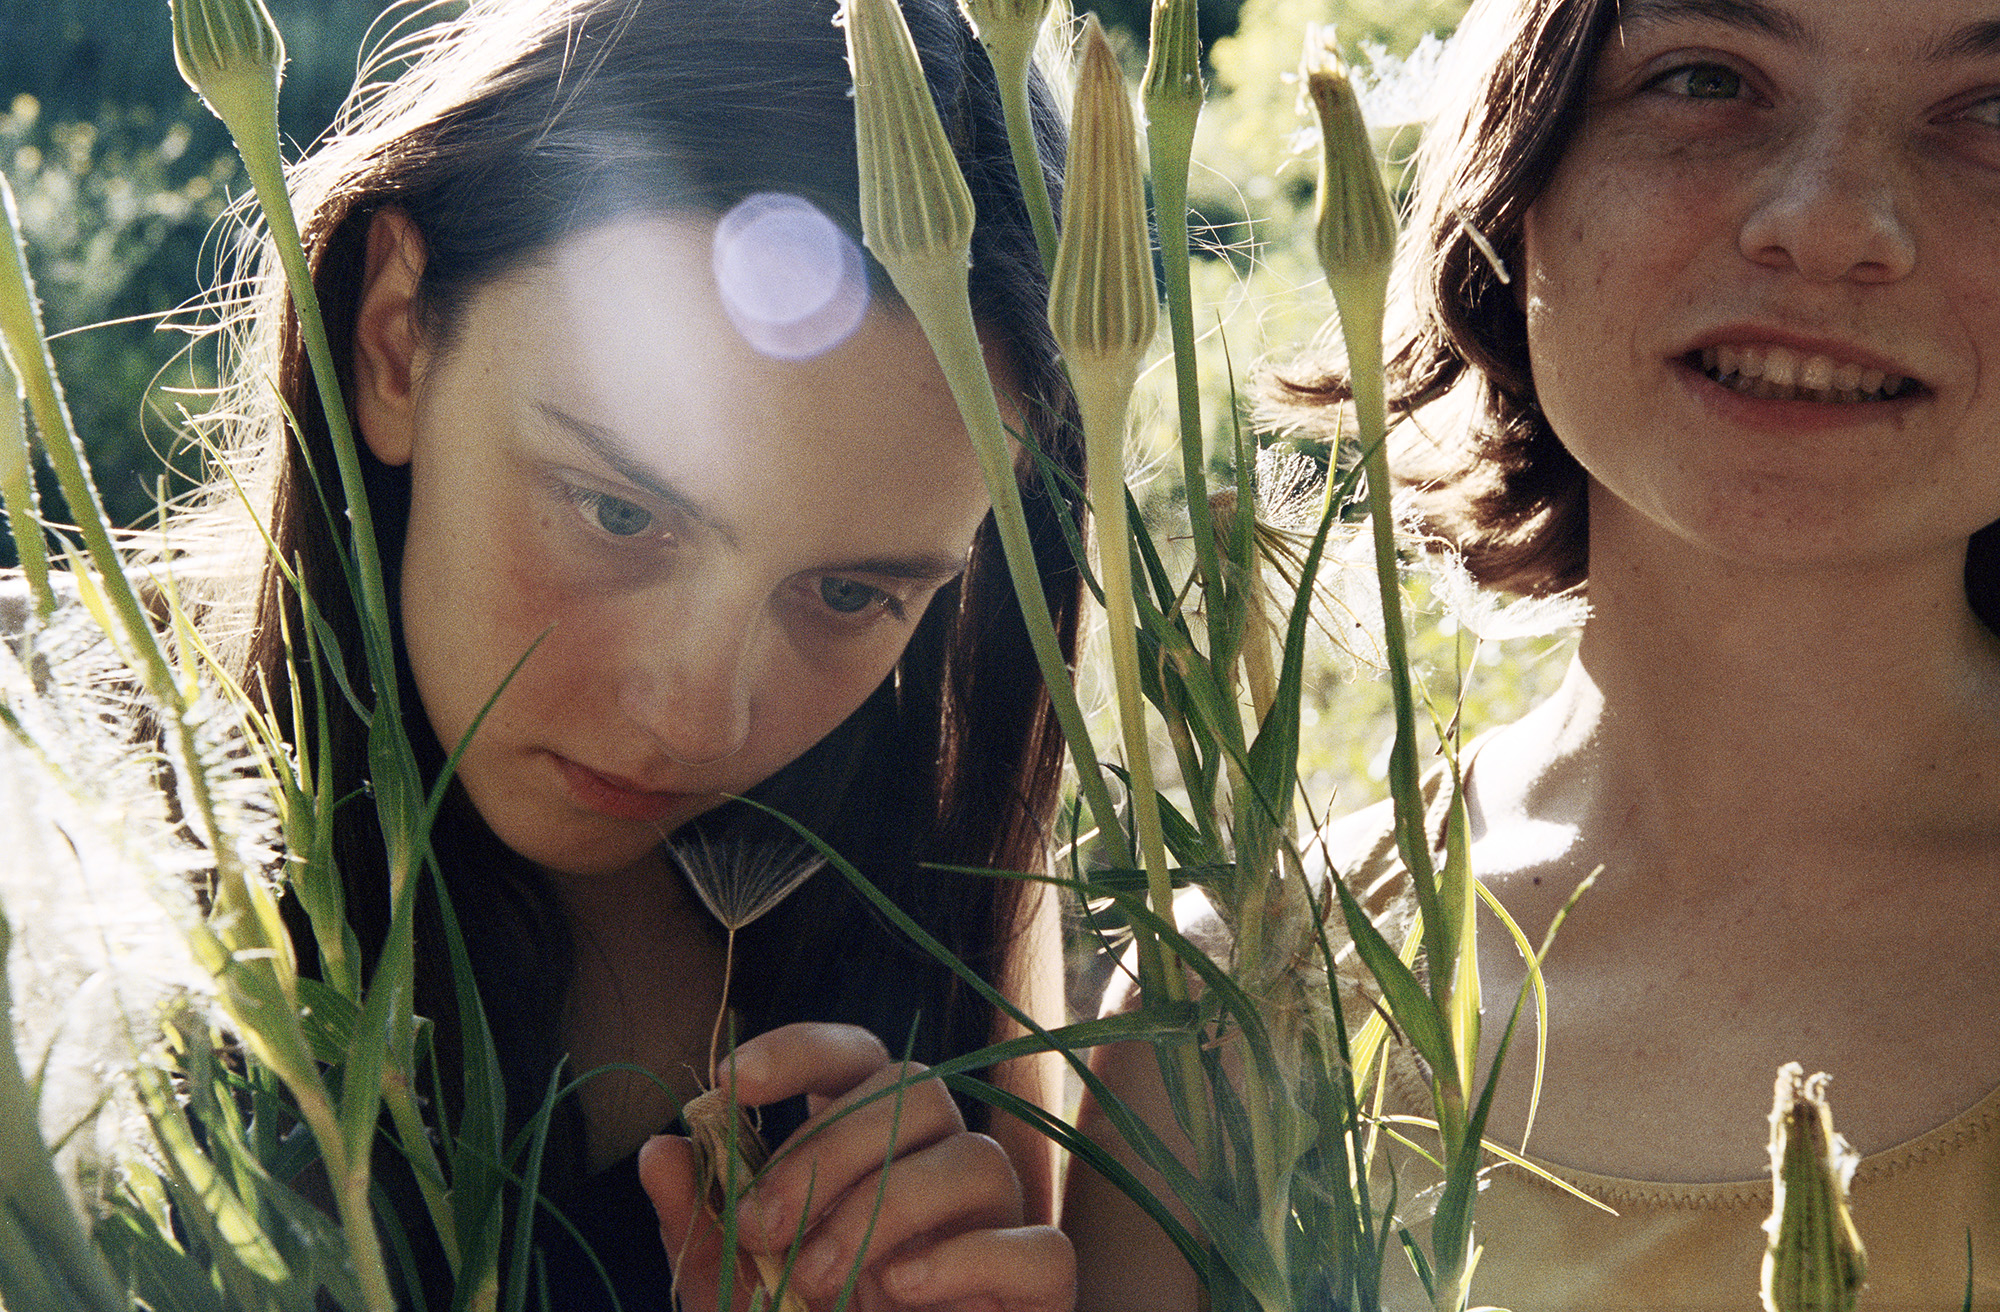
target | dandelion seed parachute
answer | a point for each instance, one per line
(740, 882)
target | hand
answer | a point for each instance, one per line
(949, 1233)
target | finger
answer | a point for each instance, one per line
(671, 1176)
(1029, 1269)
(670, 1172)
(964, 1183)
(810, 1057)
(847, 1142)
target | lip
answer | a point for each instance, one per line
(619, 798)
(1841, 352)
(1797, 415)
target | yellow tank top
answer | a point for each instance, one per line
(1687, 1246)
(1674, 1247)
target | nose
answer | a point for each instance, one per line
(1829, 209)
(690, 691)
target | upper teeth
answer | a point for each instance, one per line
(1779, 372)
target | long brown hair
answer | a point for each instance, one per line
(526, 122)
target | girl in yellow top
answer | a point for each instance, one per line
(1741, 380)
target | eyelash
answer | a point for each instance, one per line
(1991, 117)
(591, 505)
(1683, 72)
(882, 602)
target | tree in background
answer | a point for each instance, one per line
(119, 174)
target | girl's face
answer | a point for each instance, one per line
(1763, 287)
(714, 556)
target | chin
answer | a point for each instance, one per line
(583, 851)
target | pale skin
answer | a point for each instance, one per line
(720, 557)
(1778, 738)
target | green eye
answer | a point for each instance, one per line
(1708, 82)
(847, 597)
(620, 518)
(1986, 112)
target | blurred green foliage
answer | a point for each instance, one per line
(119, 173)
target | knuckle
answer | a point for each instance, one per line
(983, 1151)
(856, 1038)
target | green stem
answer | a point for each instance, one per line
(17, 493)
(1103, 404)
(267, 176)
(1364, 353)
(1012, 52)
(1170, 145)
(935, 288)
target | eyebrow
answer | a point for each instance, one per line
(619, 458)
(1752, 15)
(924, 567)
(1975, 40)
(1980, 37)
(929, 568)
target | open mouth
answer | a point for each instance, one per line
(1778, 373)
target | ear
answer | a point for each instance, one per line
(386, 351)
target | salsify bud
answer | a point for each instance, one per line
(1103, 311)
(1102, 303)
(1173, 62)
(1005, 22)
(1354, 225)
(1814, 1261)
(231, 54)
(914, 201)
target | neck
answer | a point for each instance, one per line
(1728, 699)
(647, 988)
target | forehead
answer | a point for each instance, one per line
(1930, 30)
(623, 328)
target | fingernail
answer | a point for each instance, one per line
(743, 1064)
(817, 1266)
(756, 1222)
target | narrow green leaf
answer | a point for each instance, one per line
(1404, 994)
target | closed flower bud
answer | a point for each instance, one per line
(1355, 225)
(1102, 303)
(1173, 62)
(914, 201)
(1005, 21)
(1814, 1261)
(231, 54)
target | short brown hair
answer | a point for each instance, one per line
(1499, 486)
